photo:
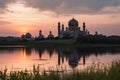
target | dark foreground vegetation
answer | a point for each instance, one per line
(95, 72)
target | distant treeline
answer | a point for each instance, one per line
(99, 39)
(90, 39)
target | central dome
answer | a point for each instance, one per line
(73, 23)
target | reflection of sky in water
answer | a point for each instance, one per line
(21, 58)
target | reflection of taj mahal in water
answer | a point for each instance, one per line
(72, 57)
(73, 29)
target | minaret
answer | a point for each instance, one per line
(84, 26)
(58, 29)
(62, 27)
(50, 32)
(40, 33)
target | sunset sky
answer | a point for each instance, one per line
(20, 16)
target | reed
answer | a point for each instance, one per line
(95, 72)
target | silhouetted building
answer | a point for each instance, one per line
(73, 30)
(96, 33)
(50, 36)
(41, 36)
(27, 36)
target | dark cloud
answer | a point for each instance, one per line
(4, 3)
(76, 6)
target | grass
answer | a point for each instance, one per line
(95, 72)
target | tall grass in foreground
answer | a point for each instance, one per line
(95, 72)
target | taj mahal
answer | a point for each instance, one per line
(73, 30)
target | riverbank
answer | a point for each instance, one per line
(56, 43)
(95, 72)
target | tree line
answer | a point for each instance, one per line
(99, 39)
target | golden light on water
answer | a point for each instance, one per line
(24, 53)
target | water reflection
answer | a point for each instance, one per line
(71, 57)
(27, 50)
(75, 55)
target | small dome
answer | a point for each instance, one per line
(73, 23)
(28, 35)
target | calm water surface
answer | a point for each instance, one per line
(20, 58)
